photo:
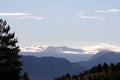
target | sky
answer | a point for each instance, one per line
(63, 22)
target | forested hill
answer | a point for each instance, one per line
(99, 72)
(48, 68)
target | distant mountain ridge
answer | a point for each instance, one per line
(47, 68)
(102, 57)
(71, 54)
(51, 49)
(51, 62)
(93, 49)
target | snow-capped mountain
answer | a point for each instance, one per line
(72, 54)
(67, 50)
(51, 49)
(63, 49)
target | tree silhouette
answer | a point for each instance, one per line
(25, 76)
(10, 65)
(105, 66)
(99, 68)
(99, 72)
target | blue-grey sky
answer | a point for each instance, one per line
(63, 22)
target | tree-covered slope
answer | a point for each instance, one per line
(99, 72)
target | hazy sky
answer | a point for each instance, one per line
(63, 22)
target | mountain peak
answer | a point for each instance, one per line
(104, 53)
(93, 49)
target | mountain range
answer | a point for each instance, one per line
(48, 68)
(93, 49)
(71, 54)
(51, 62)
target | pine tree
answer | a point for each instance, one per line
(105, 67)
(99, 68)
(25, 76)
(112, 67)
(10, 65)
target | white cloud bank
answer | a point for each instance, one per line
(20, 15)
(108, 11)
(91, 17)
(14, 14)
(93, 49)
(33, 49)
(100, 47)
(82, 14)
(31, 17)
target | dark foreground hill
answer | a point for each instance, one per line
(99, 72)
(47, 68)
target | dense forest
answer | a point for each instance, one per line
(99, 72)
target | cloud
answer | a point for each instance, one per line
(14, 14)
(71, 52)
(82, 15)
(92, 49)
(100, 11)
(91, 17)
(80, 11)
(88, 17)
(113, 10)
(20, 15)
(33, 48)
(100, 47)
(79, 14)
(31, 17)
(108, 11)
